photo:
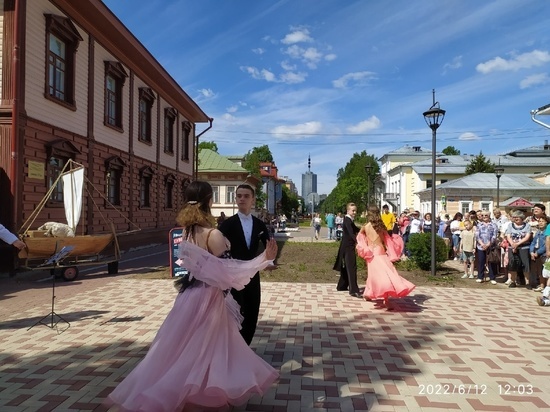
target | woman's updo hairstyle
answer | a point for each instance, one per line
(196, 206)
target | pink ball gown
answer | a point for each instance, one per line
(198, 357)
(383, 280)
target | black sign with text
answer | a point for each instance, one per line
(176, 264)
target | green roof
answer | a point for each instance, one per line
(210, 161)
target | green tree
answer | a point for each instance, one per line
(451, 151)
(289, 202)
(351, 184)
(251, 163)
(208, 145)
(479, 164)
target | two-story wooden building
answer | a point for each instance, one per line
(76, 84)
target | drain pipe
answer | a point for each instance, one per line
(196, 168)
(16, 87)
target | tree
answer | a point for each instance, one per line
(451, 151)
(289, 202)
(351, 184)
(208, 145)
(252, 163)
(479, 164)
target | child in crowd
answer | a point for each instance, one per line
(467, 249)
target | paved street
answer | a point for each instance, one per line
(439, 349)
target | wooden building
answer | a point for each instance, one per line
(76, 84)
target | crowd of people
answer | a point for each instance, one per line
(515, 245)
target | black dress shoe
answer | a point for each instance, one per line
(341, 289)
(356, 295)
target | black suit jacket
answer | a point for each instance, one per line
(347, 244)
(233, 231)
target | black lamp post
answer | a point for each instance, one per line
(368, 169)
(498, 172)
(434, 117)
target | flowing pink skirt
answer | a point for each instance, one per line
(383, 280)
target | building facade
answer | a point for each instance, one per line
(76, 84)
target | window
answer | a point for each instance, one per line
(62, 40)
(114, 167)
(428, 183)
(145, 179)
(169, 120)
(146, 100)
(58, 154)
(215, 194)
(54, 168)
(465, 207)
(185, 141)
(444, 181)
(169, 191)
(230, 195)
(485, 205)
(115, 75)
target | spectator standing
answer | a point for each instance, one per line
(456, 227)
(537, 252)
(330, 221)
(486, 236)
(518, 235)
(388, 218)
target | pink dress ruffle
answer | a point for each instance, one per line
(383, 280)
(198, 357)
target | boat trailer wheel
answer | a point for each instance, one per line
(69, 274)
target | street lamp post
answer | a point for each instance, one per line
(498, 172)
(368, 169)
(434, 117)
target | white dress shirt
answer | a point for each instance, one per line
(246, 223)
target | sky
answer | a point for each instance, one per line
(330, 78)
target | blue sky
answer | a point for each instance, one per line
(330, 78)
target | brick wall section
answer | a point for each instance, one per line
(38, 134)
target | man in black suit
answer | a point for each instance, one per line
(345, 261)
(245, 232)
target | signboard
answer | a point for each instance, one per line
(36, 170)
(174, 241)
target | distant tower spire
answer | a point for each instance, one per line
(309, 162)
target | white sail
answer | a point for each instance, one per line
(73, 182)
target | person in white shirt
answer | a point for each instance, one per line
(10, 238)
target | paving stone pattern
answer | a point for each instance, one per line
(440, 349)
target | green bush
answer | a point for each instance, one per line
(420, 245)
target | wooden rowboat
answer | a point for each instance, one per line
(40, 246)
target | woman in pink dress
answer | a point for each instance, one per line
(198, 359)
(379, 250)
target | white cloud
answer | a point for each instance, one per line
(330, 57)
(534, 80)
(523, 61)
(287, 66)
(468, 136)
(311, 57)
(259, 50)
(206, 93)
(293, 77)
(297, 36)
(262, 74)
(229, 118)
(360, 78)
(371, 123)
(232, 109)
(288, 132)
(454, 64)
